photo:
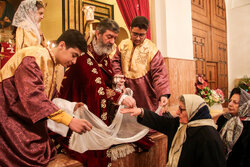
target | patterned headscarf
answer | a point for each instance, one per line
(233, 128)
(198, 115)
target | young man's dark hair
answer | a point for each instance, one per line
(108, 24)
(73, 39)
(140, 21)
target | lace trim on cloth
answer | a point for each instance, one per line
(121, 151)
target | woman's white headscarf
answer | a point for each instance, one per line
(26, 17)
(233, 128)
(193, 104)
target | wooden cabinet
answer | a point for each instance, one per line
(155, 157)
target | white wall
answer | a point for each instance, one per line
(158, 25)
(172, 32)
(238, 36)
(173, 28)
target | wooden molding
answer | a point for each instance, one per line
(182, 77)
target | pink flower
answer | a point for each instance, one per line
(210, 96)
(205, 83)
(200, 86)
(219, 91)
(200, 79)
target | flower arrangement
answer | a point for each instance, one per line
(210, 96)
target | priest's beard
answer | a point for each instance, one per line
(100, 48)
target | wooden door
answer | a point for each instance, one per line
(219, 47)
(201, 11)
(212, 75)
(209, 42)
(201, 46)
(218, 14)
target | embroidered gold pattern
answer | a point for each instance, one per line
(94, 70)
(67, 69)
(125, 51)
(98, 80)
(110, 93)
(55, 114)
(45, 81)
(143, 54)
(100, 91)
(100, 65)
(109, 165)
(89, 62)
(136, 61)
(104, 116)
(106, 63)
(108, 153)
(103, 103)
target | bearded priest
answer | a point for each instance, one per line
(90, 81)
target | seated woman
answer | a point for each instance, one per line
(27, 21)
(195, 141)
(234, 129)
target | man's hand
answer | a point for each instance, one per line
(129, 101)
(80, 125)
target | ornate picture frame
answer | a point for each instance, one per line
(73, 16)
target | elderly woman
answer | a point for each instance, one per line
(27, 21)
(234, 129)
(195, 141)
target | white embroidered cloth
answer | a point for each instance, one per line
(124, 129)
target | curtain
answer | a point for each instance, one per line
(132, 8)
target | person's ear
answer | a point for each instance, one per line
(130, 30)
(61, 45)
(97, 34)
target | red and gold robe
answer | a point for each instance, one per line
(27, 85)
(144, 70)
(89, 81)
(26, 38)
